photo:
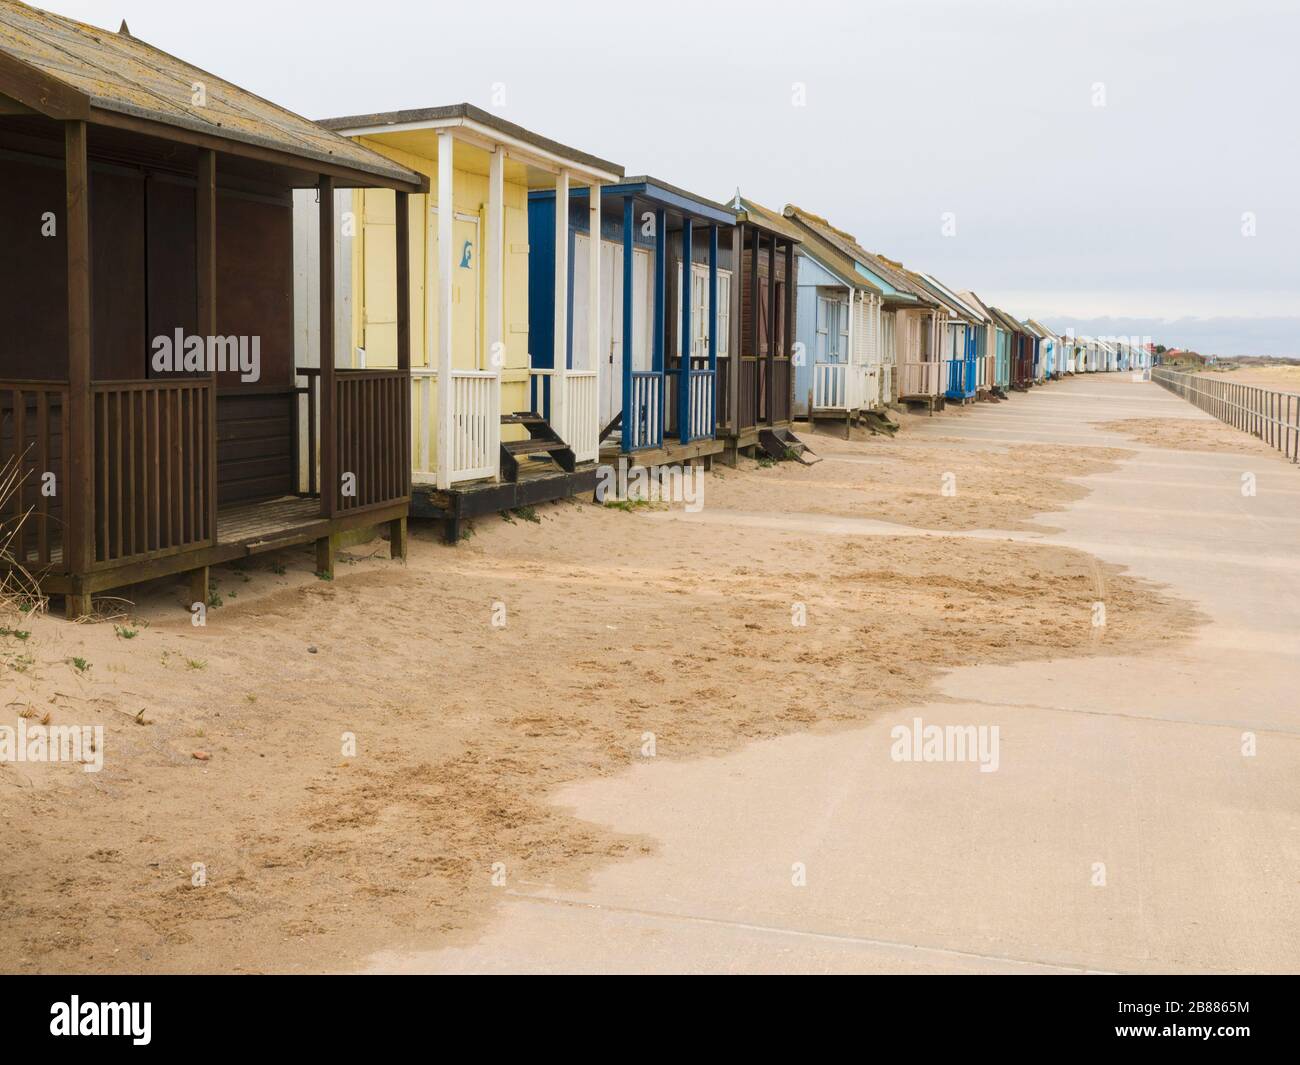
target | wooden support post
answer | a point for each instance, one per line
(326, 552)
(397, 539)
(656, 432)
(446, 265)
(771, 327)
(735, 345)
(594, 355)
(79, 493)
(560, 374)
(329, 438)
(199, 586)
(629, 307)
(206, 248)
(77, 605)
(403, 456)
(713, 324)
(495, 310)
(791, 270)
(684, 366)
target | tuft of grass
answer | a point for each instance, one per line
(321, 575)
(196, 663)
(123, 633)
(16, 634)
(628, 505)
(528, 513)
(214, 599)
(80, 665)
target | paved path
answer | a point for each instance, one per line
(1134, 762)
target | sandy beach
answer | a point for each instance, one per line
(478, 679)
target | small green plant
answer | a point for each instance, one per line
(467, 530)
(321, 575)
(766, 462)
(123, 633)
(20, 663)
(196, 663)
(628, 505)
(528, 513)
(17, 634)
(507, 517)
(80, 665)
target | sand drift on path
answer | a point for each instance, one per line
(478, 679)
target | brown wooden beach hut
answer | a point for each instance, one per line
(148, 393)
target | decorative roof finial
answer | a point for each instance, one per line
(736, 204)
(124, 29)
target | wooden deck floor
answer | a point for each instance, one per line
(269, 521)
(256, 525)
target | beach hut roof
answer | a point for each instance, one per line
(901, 290)
(466, 114)
(68, 70)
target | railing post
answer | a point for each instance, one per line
(206, 248)
(403, 241)
(712, 408)
(328, 395)
(446, 266)
(79, 536)
(684, 365)
(559, 380)
(629, 309)
(594, 354)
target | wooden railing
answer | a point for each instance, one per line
(579, 422)
(780, 391)
(475, 424)
(960, 375)
(701, 425)
(921, 378)
(34, 447)
(645, 420)
(830, 386)
(372, 433)
(153, 443)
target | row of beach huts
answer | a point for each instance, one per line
(500, 315)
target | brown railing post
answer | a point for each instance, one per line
(403, 454)
(735, 343)
(328, 393)
(206, 248)
(79, 493)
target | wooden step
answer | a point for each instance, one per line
(542, 440)
(783, 445)
(532, 447)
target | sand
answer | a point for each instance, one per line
(1278, 378)
(902, 480)
(1188, 434)
(620, 628)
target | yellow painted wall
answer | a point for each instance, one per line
(374, 283)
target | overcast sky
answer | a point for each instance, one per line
(1097, 159)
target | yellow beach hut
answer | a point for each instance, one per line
(479, 443)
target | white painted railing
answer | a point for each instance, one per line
(475, 431)
(921, 379)
(830, 386)
(581, 428)
(871, 376)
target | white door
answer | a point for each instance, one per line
(611, 318)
